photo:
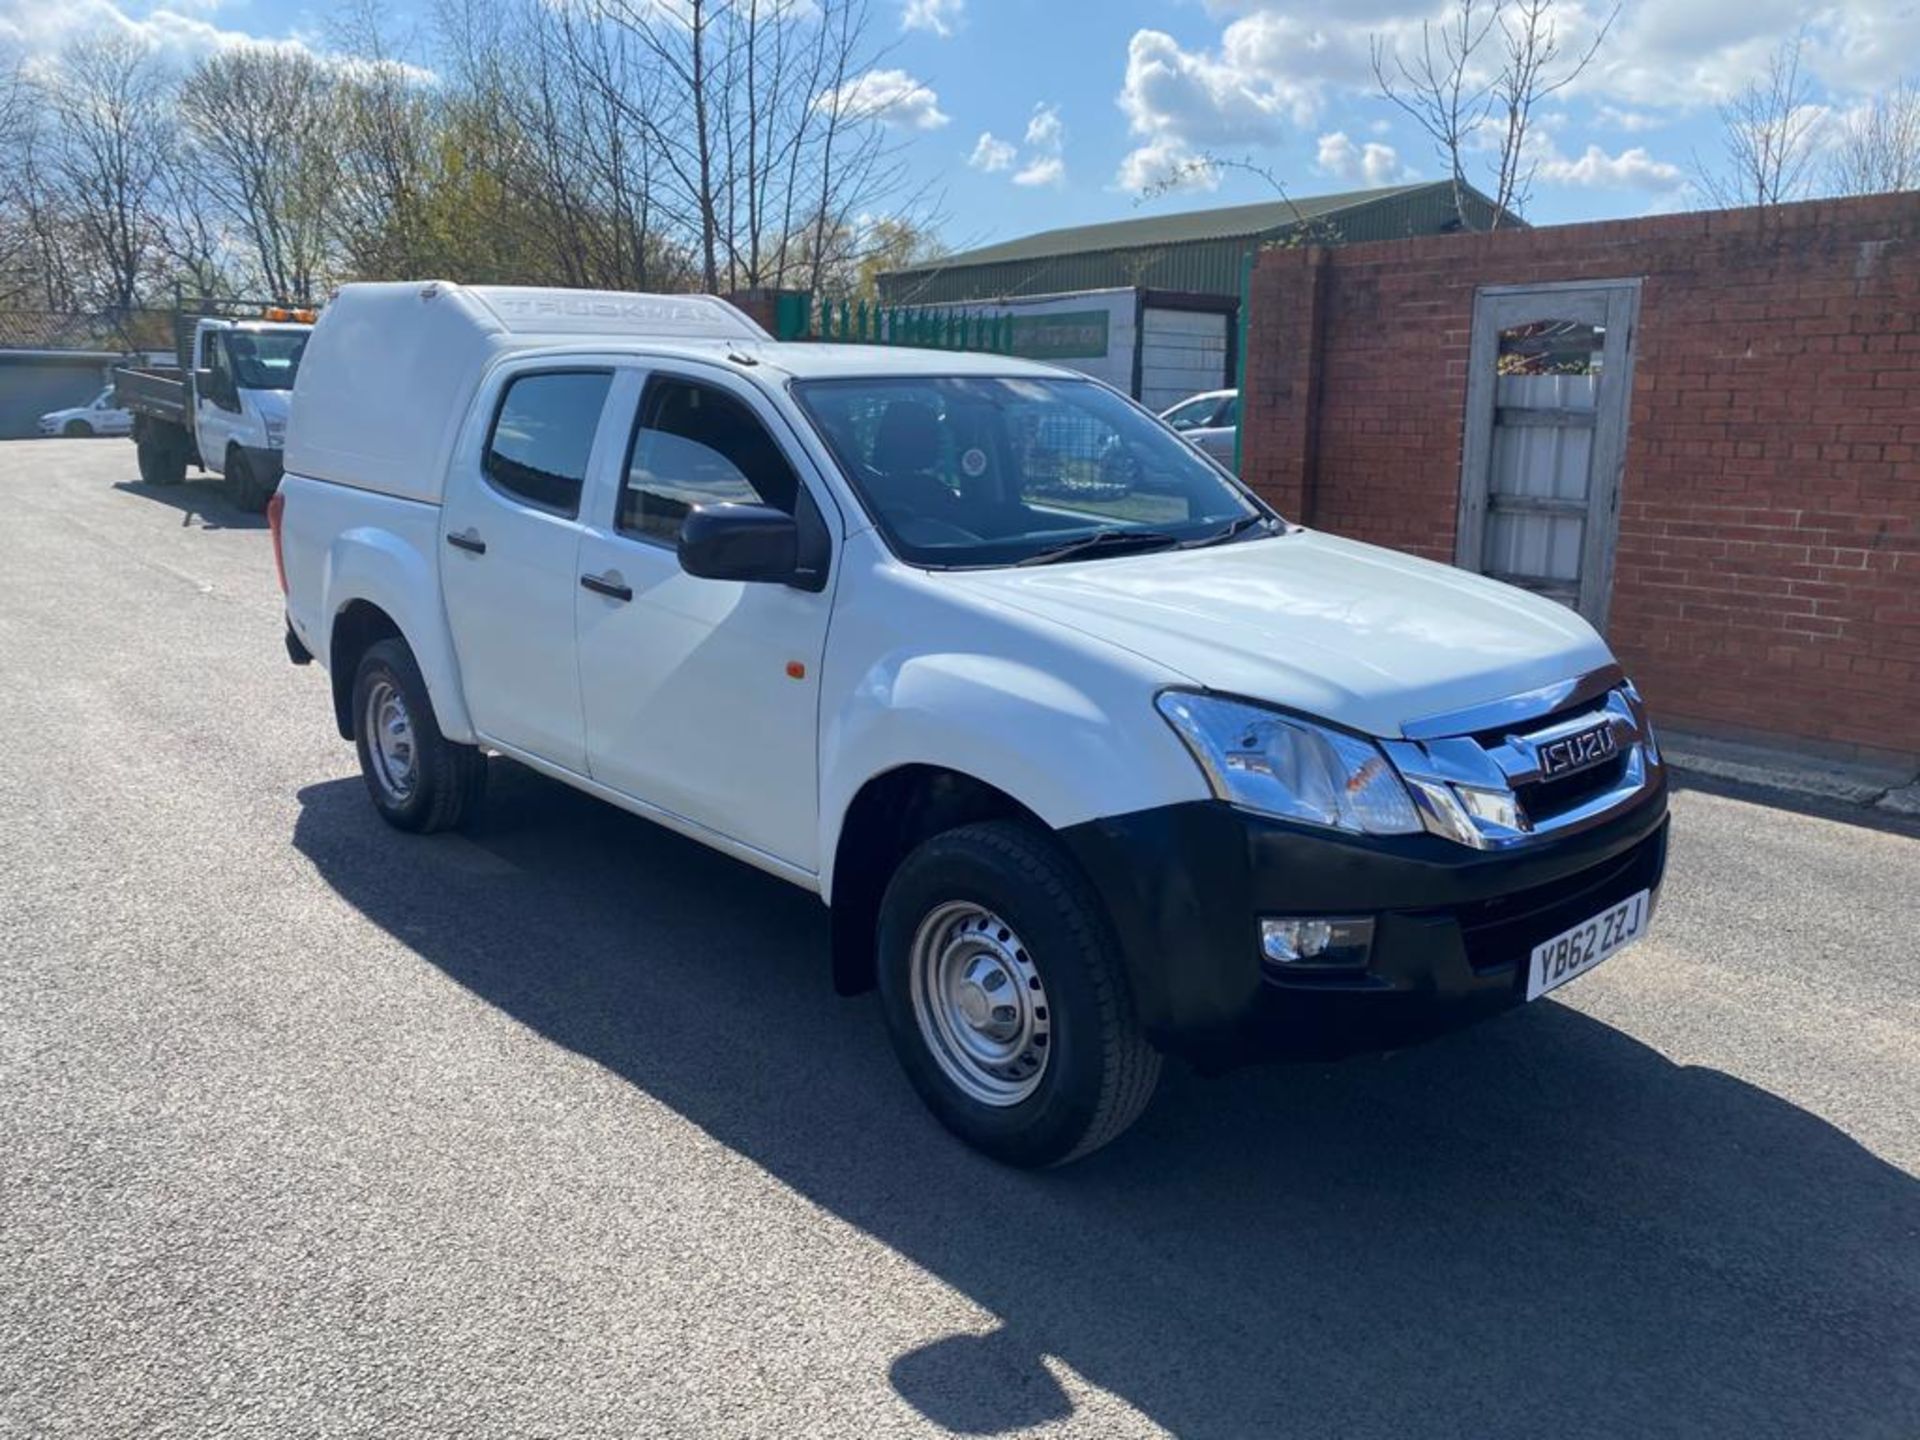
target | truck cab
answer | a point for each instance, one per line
(1094, 758)
(243, 376)
(224, 407)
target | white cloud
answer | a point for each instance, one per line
(1634, 122)
(1206, 98)
(1165, 165)
(1373, 163)
(937, 17)
(1668, 56)
(1271, 74)
(892, 97)
(1632, 169)
(176, 31)
(991, 154)
(1045, 160)
(1044, 131)
(1043, 170)
(39, 31)
(1276, 67)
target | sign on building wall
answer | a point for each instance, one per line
(1064, 335)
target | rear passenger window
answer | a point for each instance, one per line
(697, 445)
(542, 435)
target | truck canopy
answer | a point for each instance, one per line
(390, 372)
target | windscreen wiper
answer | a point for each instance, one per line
(1102, 541)
(1233, 531)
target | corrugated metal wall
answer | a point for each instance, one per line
(1205, 267)
(1201, 267)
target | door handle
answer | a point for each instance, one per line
(470, 542)
(609, 585)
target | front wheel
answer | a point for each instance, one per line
(244, 488)
(1005, 997)
(77, 430)
(419, 779)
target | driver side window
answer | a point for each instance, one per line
(221, 365)
(695, 444)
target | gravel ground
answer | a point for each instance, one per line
(311, 1128)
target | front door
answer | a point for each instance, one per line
(1546, 426)
(510, 537)
(215, 420)
(702, 696)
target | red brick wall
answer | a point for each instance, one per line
(1767, 580)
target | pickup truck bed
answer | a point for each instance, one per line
(159, 391)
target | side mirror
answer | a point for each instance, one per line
(208, 384)
(740, 542)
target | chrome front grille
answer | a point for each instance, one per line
(1532, 766)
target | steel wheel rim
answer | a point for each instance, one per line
(980, 1003)
(390, 742)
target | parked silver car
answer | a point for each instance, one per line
(1210, 421)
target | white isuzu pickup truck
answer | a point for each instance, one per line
(1093, 756)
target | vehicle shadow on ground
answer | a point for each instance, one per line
(1539, 1228)
(199, 500)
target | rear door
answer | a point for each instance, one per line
(510, 537)
(701, 696)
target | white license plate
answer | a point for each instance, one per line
(1576, 951)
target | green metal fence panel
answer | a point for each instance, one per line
(806, 317)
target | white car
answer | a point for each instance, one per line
(99, 416)
(1211, 422)
(1093, 757)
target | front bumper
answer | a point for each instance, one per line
(1186, 886)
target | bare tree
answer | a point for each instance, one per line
(1769, 136)
(1877, 150)
(1491, 62)
(108, 103)
(381, 116)
(1445, 88)
(1533, 67)
(258, 118)
(17, 247)
(759, 144)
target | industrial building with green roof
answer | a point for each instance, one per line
(1196, 252)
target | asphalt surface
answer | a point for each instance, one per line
(311, 1128)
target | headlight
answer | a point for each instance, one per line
(1280, 765)
(276, 433)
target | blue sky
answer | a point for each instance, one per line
(1029, 114)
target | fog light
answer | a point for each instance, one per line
(1314, 941)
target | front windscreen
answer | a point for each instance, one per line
(266, 359)
(995, 471)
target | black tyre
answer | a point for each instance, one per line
(419, 780)
(245, 489)
(162, 463)
(1006, 999)
(77, 430)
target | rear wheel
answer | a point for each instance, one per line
(162, 460)
(245, 490)
(419, 779)
(1005, 997)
